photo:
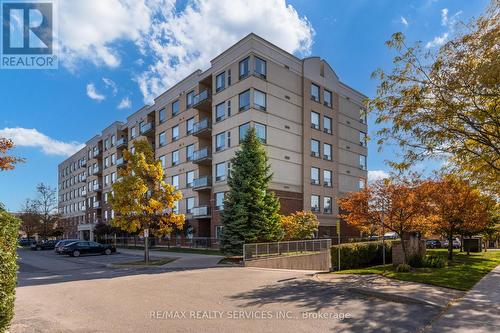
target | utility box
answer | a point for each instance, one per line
(474, 244)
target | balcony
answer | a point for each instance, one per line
(97, 187)
(121, 142)
(146, 128)
(203, 100)
(83, 178)
(203, 128)
(200, 212)
(83, 193)
(202, 183)
(202, 156)
(96, 204)
(120, 162)
(96, 153)
(96, 171)
(83, 162)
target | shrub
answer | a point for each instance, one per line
(416, 261)
(403, 268)
(9, 227)
(359, 255)
(299, 225)
(434, 262)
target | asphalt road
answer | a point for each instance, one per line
(63, 294)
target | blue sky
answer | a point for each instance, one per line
(115, 56)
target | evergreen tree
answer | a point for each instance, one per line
(251, 211)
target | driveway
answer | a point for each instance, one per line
(96, 298)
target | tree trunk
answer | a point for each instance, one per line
(450, 246)
(403, 246)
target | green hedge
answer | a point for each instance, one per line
(359, 255)
(9, 227)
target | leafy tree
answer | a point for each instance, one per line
(30, 219)
(46, 207)
(457, 208)
(299, 225)
(446, 104)
(399, 204)
(7, 162)
(250, 209)
(141, 199)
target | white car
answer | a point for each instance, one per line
(456, 243)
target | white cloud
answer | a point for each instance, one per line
(30, 137)
(374, 175)
(404, 21)
(111, 84)
(444, 17)
(173, 43)
(93, 94)
(437, 41)
(125, 103)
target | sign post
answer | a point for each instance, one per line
(146, 245)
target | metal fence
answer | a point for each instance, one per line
(260, 250)
(159, 242)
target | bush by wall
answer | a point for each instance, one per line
(359, 255)
(9, 227)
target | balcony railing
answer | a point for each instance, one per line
(121, 142)
(96, 170)
(83, 162)
(96, 152)
(83, 178)
(201, 211)
(97, 204)
(120, 162)
(201, 155)
(203, 96)
(96, 187)
(202, 126)
(145, 128)
(202, 182)
(84, 192)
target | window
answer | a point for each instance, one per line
(162, 139)
(259, 100)
(175, 181)
(327, 205)
(244, 99)
(106, 197)
(362, 162)
(327, 151)
(327, 124)
(327, 98)
(176, 104)
(189, 205)
(244, 68)
(315, 120)
(105, 216)
(314, 176)
(219, 201)
(260, 130)
(362, 139)
(220, 112)
(163, 161)
(314, 92)
(106, 162)
(327, 178)
(228, 77)
(106, 146)
(361, 183)
(175, 132)
(190, 152)
(228, 139)
(315, 148)
(220, 171)
(243, 131)
(220, 140)
(113, 140)
(189, 126)
(189, 178)
(218, 231)
(229, 108)
(161, 115)
(315, 203)
(260, 67)
(113, 159)
(175, 157)
(113, 177)
(362, 116)
(220, 82)
(106, 180)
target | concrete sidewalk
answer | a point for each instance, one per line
(477, 312)
(184, 260)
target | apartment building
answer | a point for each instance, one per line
(311, 123)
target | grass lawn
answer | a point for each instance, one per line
(463, 273)
(179, 250)
(151, 262)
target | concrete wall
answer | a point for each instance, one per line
(316, 261)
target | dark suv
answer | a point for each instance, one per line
(75, 249)
(433, 244)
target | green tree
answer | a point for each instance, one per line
(299, 225)
(142, 201)
(251, 210)
(446, 104)
(9, 226)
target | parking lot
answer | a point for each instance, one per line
(65, 294)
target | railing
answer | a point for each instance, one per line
(96, 187)
(96, 152)
(146, 128)
(201, 154)
(120, 161)
(201, 97)
(163, 242)
(202, 182)
(97, 204)
(84, 192)
(260, 250)
(200, 211)
(121, 142)
(200, 126)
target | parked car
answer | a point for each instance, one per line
(44, 245)
(391, 235)
(76, 249)
(62, 242)
(26, 241)
(456, 243)
(433, 244)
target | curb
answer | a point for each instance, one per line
(394, 297)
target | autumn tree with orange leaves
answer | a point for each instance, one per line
(398, 204)
(7, 162)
